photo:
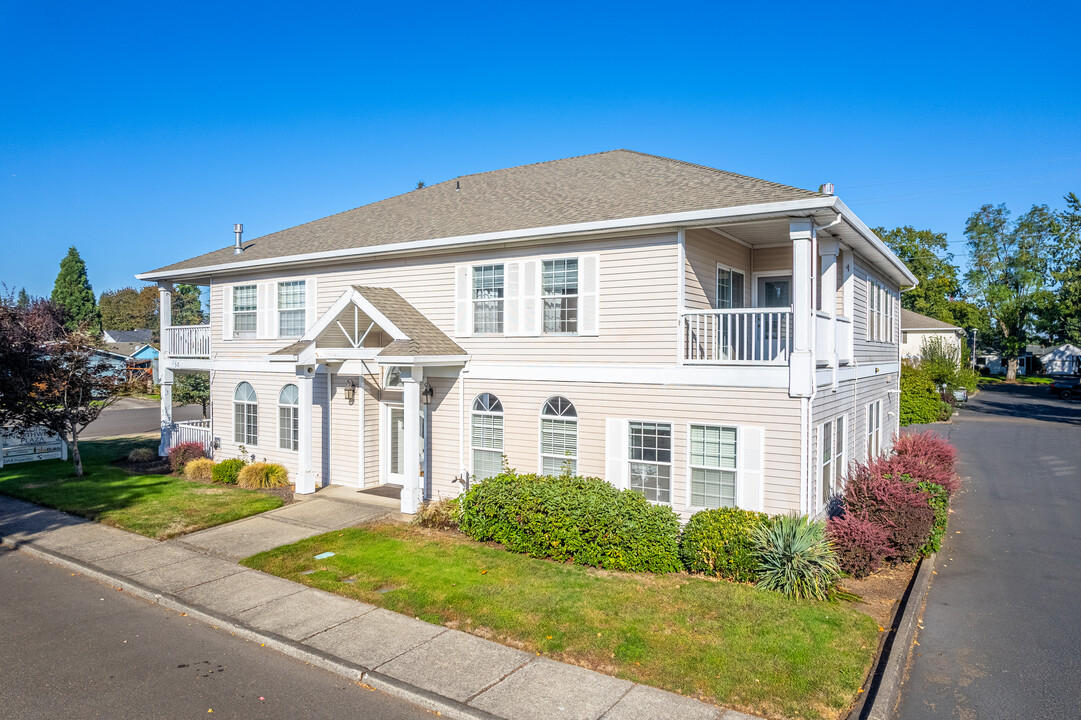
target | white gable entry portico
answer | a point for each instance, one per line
(374, 335)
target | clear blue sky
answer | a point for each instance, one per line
(140, 132)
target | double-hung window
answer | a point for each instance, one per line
(713, 466)
(650, 453)
(245, 415)
(559, 291)
(487, 436)
(874, 429)
(289, 418)
(291, 308)
(729, 288)
(488, 299)
(245, 310)
(559, 437)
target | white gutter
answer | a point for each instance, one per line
(642, 222)
(860, 227)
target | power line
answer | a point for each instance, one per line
(966, 174)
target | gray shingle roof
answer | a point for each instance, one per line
(425, 339)
(604, 186)
(914, 321)
(130, 336)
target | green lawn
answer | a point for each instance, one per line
(718, 641)
(158, 506)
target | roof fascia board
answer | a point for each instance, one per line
(422, 359)
(868, 235)
(641, 222)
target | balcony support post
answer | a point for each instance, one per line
(165, 374)
(305, 478)
(828, 250)
(802, 364)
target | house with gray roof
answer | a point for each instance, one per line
(917, 329)
(704, 338)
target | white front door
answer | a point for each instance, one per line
(394, 444)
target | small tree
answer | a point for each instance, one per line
(73, 294)
(190, 389)
(940, 360)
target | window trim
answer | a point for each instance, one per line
(474, 301)
(234, 313)
(244, 441)
(279, 310)
(736, 470)
(541, 296)
(671, 462)
(295, 419)
(473, 412)
(562, 418)
(874, 407)
(717, 287)
(836, 461)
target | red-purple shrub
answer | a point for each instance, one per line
(182, 454)
(895, 504)
(919, 469)
(928, 446)
(859, 544)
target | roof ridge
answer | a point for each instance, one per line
(726, 172)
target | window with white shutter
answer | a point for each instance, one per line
(713, 465)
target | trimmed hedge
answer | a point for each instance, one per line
(718, 542)
(226, 471)
(939, 500)
(572, 518)
(928, 446)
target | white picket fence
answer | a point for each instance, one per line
(193, 431)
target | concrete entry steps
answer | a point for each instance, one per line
(454, 673)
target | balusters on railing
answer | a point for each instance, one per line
(737, 336)
(189, 341)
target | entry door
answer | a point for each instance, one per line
(394, 444)
(774, 291)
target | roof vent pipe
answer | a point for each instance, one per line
(826, 188)
(238, 228)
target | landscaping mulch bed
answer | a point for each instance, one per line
(881, 593)
(161, 467)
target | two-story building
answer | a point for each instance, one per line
(704, 338)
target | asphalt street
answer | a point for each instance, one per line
(132, 416)
(73, 648)
(1001, 632)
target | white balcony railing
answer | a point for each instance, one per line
(188, 341)
(753, 336)
(193, 431)
(844, 340)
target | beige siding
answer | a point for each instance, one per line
(868, 351)
(704, 250)
(772, 260)
(267, 386)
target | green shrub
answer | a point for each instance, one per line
(795, 558)
(199, 469)
(438, 514)
(583, 520)
(142, 455)
(262, 475)
(939, 500)
(226, 471)
(920, 402)
(718, 542)
(945, 411)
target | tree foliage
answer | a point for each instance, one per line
(1063, 323)
(927, 255)
(73, 294)
(188, 306)
(130, 309)
(192, 389)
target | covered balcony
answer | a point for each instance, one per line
(187, 341)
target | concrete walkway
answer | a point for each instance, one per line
(454, 673)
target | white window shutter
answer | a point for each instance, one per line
(227, 313)
(617, 438)
(512, 298)
(588, 288)
(750, 491)
(532, 317)
(463, 293)
(266, 308)
(310, 301)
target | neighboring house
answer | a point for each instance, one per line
(1064, 359)
(916, 329)
(704, 338)
(136, 359)
(996, 364)
(128, 336)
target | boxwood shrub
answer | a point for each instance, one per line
(572, 518)
(227, 471)
(718, 542)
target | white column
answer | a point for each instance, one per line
(801, 365)
(412, 491)
(828, 250)
(165, 318)
(305, 479)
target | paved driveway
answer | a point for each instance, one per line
(1001, 633)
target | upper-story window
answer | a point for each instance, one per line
(559, 290)
(729, 288)
(291, 308)
(245, 310)
(488, 299)
(881, 313)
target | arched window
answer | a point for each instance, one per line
(245, 415)
(558, 437)
(289, 418)
(393, 378)
(487, 436)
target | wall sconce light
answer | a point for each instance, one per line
(427, 393)
(351, 392)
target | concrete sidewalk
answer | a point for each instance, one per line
(454, 673)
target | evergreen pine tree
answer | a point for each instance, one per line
(73, 294)
(24, 300)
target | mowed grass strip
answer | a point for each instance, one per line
(717, 641)
(158, 506)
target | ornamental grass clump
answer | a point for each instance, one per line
(262, 475)
(794, 558)
(438, 514)
(199, 469)
(571, 518)
(860, 545)
(180, 455)
(718, 542)
(142, 455)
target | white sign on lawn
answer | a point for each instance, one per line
(36, 443)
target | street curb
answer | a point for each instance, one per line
(889, 684)
(357, 673)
